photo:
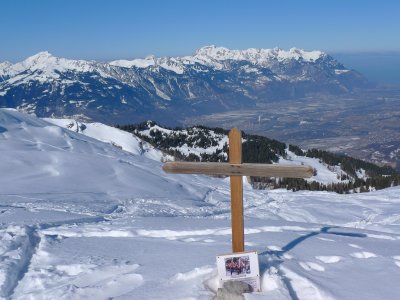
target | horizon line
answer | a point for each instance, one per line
(102, 59)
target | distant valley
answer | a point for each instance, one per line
(303, 97)
(364, 124)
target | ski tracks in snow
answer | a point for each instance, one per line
(18, 246)
(281, 282)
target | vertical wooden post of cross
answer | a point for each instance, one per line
(235, 157)
(236, 169)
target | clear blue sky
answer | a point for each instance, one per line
(104, 30)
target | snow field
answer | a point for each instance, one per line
(118, 138)
(81, 219)
(183, 267)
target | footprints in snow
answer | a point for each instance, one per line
(212, 236)
(397, 260)
(325, 239)
(81, 281)
(354, 246)
(312, 266)
(308, 266)
(363, 254)
(329, 259)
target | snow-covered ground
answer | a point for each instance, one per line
(83, 219)
(323, 175)
(118, 138)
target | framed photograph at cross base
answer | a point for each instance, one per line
(242, 266)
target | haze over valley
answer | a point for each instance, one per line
(364, 124)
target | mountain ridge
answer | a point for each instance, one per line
(169, 88)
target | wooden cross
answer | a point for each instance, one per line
(236, 169)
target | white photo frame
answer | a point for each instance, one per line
(242, 266)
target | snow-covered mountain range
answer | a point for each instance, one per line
(167, 88)
(84, 219)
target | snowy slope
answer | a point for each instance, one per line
(133, 144)
(118, 138)
(323, 175)
(81, 219)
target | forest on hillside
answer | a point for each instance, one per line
(260, 149)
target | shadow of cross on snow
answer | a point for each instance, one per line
(273, 258)
(295, 242)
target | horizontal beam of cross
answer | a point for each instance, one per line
(227, 169)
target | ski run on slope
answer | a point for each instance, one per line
(81, 218)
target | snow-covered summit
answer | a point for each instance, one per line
(45, 61)
(47, 65)
(38, 58)
(137, 62)
(212, 55)
(257, 56)
(4, 66)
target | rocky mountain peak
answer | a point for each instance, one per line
(213, 79)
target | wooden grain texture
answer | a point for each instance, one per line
(235, 146)
(228, 169)
(235, 157)
(237, 214)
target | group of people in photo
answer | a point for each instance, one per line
(237, 266)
